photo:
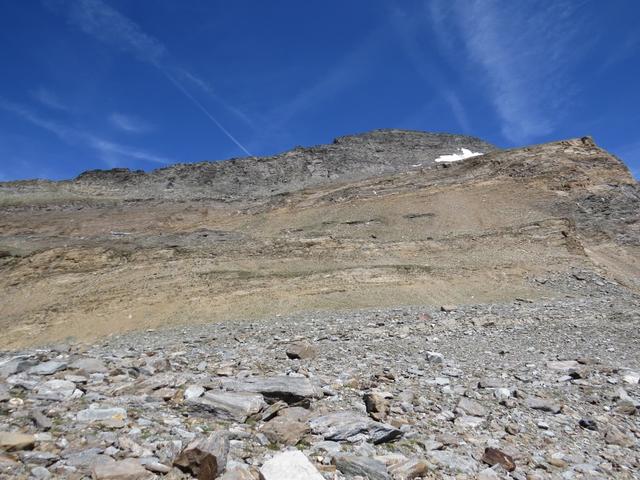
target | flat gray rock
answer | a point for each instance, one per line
(47, 368)
(453, 461)
(544, 405)
(55, 389)
(352, 426)
(279, 387)
(127, 469)
(89, 365)
(237, 406)
(471, 407)
(113, 417)
(365, 467)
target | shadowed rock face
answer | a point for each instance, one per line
(369, 221)
(348, 158)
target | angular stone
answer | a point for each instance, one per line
(13, 441)
(490, 474)
(111, 417)
(290, 465)
(631, 378)
(563, 365)
(86, 459)
(55, 390)
(8, 463)
(490, 383)
(453, 461)
(280, 387)
(493, 456)
(128, 469)
(132, 448)
(40, 473)
(13, 365)
(365, 467)
(153, 465)
(34, 457)
(448, 308)
(205, 458)
(41, 420)
(502, 394)
(237, 472)
(543, 405)
(47, 368)
(435, 357)
(301, 350)
(469, 421)
(90, 365)
(4, 393)
(615, 436)
(377, 405)
(349, 426)
(588, 424)
(273, 410)
(410, 469)
(193, 391)
(237, 406)
(471, 407)
(285, 430)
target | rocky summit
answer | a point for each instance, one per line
(394, 305)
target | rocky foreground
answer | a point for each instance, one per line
(526, 389)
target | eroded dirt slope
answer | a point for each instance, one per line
(487, 229)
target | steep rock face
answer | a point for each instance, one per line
(348, 158)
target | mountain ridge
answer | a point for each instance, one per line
(347, 158)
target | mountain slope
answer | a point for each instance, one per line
(522, 223)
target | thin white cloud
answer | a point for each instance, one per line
(458, 110)
(626, 49)
(129, 123)
(108, 25)
(76, 137)
(105, 23)
(408, 28)
(346, 72)
(49, 99)
(105, 146)
(521, 52)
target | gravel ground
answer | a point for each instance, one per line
(527, 390)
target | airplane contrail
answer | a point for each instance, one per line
(186, 93)
(108, 25)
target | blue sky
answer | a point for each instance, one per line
(141, 84)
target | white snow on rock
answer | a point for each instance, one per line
(454, 157)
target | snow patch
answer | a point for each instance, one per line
(454, 157)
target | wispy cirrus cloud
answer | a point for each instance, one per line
(129, 123)
(408, 27)
(522, 53)
(106, 149)
(49, 99)
(345, 73)
(105, 23)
